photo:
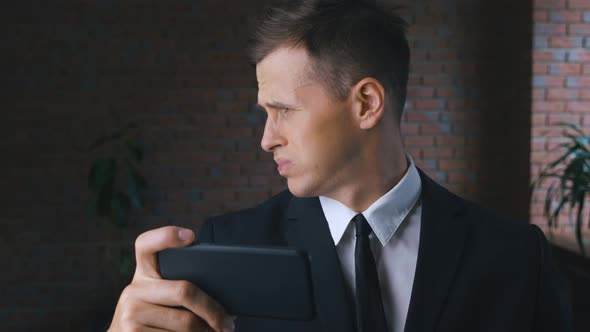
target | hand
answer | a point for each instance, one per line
(150, 303)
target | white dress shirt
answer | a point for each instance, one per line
(395, 221)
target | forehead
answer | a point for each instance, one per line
(281, 73)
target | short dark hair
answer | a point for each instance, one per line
(347, 40)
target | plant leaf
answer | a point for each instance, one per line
(547, 205)
(571, 126)
(101, 180)
(120, 207)
(125, 261)
(101, 172)
(135, 151)
(102, 140)
(562, 157)
(555, 214)
(580, 141)
(136, 186)
(579, 221)
(542, 177)
(93, 203)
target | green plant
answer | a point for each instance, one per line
(571, 170)
(115, 182)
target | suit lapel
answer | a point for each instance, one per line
(308, 229)
(442, 237)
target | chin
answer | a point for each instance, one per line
(300, 188)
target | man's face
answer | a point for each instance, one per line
(312, 135)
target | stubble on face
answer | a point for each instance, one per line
(318, 136)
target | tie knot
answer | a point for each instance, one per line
(362, 226)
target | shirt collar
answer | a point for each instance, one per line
(384, 215)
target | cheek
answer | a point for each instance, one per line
(327, 144)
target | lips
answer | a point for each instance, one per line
(283, 165)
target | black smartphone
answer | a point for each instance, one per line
(265, 282)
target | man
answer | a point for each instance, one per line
(332, 80)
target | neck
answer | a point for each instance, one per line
(379, 172)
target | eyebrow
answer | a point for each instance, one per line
(275, 105)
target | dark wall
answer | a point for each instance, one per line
(177, 68)
(504, 61)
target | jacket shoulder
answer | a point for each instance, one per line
(493, 225)
(483, 222)
(259, 225)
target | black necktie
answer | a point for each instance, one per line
(369, 307)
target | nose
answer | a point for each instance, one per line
(271, 138)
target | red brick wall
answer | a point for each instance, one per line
(469, 106)
(178, 69)
(561, 82)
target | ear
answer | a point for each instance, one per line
(368, 96)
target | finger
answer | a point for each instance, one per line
(131, 315)
(185, 294)
(170, 319)
(150, 242)
(153, 329)
(147, 329)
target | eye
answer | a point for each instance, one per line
(283, 111)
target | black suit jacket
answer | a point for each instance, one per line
(475, 271)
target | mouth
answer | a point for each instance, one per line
(283, 166)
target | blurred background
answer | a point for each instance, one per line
(488, 81)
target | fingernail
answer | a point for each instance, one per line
(228, 324)
(184, 234)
